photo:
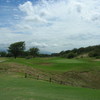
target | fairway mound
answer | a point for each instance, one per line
(45, 64)
(19, 88)
(22, 69)
(70, 72)
(88, 79)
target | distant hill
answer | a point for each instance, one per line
(91, 51)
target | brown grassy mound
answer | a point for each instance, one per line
(88, 79)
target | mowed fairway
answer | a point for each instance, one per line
(60, 64)
(15, 87)
(76, 73)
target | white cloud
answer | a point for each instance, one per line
(68, 18)
(27, 8)
(55, 26)
(31, 12)
(8, 36)
(37, 44)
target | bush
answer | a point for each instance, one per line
(3, 54)
(71, 55)
(28, 57)
(94, 54)
(98, 57)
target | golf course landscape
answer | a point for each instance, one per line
(49, 49)
(49, 78)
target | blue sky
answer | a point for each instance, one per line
(51, 25)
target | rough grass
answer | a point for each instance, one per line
(3, 59)
(72, 72)
(14, 87)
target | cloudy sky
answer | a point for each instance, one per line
(51, 25)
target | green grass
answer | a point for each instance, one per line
(77, 72)
(59, 64)
(83, 72)
(3, 58)
(15, 87)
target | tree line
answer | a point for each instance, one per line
(17, 49)
(90, 51)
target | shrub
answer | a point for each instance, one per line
(71, 55)
(94, 54)
(98, 57)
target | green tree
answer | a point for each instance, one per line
(95, 53)
(3, 54)
(17, 48)
(34, 51)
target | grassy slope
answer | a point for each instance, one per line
(74, 72)
(15, 87)
(60, 64)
